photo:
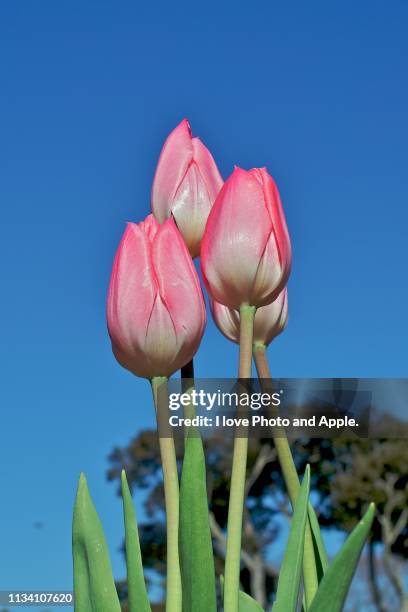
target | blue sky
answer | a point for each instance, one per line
(316, 91)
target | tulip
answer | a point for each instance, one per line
(269, 320)
(185, 185)
(245, 250)
(156, 311)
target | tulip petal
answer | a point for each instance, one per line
(179, 289)
(149, 227)
(174, 161)
(226, 319)
(185, 185)
(156, 310)
(208, 169)
(271, 320)
(246, 254)
(132, 292)
(269, 280)
(161, 340)
(191, 207)
(274, 205)
(237, 230)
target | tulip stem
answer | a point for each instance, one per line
(187, 371)
(239, 461)
(187, 385)
(291, 479)
(171, 495)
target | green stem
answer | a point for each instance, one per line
(291, 479)
(237, 492)
(171, 494)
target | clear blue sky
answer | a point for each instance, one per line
(89, 90)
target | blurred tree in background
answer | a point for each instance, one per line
(346, 475)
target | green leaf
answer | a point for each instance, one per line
(196, 553)
(245, 602)
(322, 561)
(335, 585)
(290, 574)
(94, 586)
(137, 595)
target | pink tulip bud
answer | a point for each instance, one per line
(245, 250)
(156, 310)
(185, 185)
(269, 321)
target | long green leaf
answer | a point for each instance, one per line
(247, 604)
(289, 577)
(335, 585)
(322, 561)
(196, 553)
(245, 601)
(94, 587)
(137, 594)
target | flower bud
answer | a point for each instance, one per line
(245, 250)
(269, 321)
(185, 185)
(156, 310)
